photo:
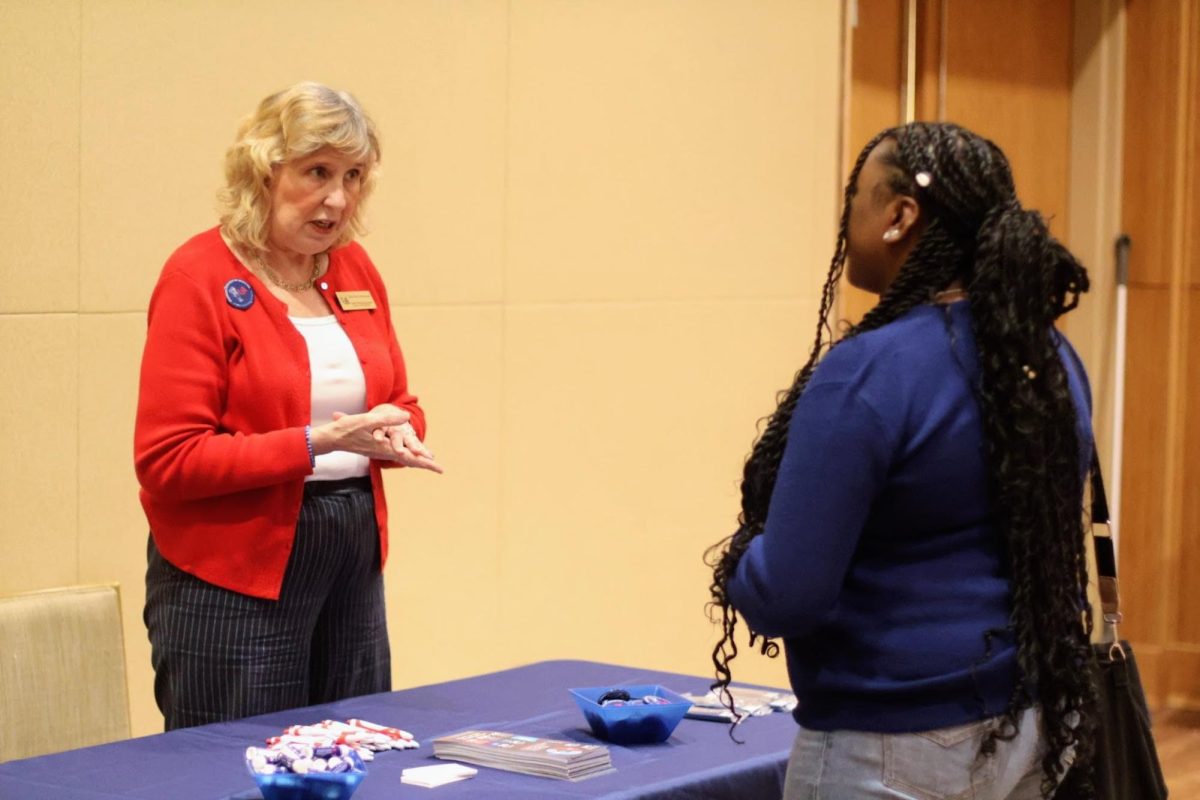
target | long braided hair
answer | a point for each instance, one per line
(1019, 279)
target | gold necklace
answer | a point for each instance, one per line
(292, 287)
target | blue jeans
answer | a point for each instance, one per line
(941, 764)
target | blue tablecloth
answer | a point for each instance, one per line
(206, 763)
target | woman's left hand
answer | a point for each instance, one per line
(408, 447)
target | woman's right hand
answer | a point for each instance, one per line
(355, 433)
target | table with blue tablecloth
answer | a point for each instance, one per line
(699, 760)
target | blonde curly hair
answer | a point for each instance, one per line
(286, 126)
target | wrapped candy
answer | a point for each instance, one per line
(328, 746)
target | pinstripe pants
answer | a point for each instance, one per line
(219, 655)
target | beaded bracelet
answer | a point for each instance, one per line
(312, 457)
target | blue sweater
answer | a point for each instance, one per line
(881, 565)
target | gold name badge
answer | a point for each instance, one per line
(355, 301)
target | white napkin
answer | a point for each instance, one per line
(436, 774)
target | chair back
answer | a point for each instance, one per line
(62, 671)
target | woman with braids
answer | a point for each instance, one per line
(912, 514)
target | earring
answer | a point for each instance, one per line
(890, 234)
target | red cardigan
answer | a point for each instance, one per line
(224, 396)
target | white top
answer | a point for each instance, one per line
(337, 385)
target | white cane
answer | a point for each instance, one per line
(1118, 417)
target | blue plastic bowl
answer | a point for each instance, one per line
(310, 786)
(631, 724)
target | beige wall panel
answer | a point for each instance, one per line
(1184, 555)
(877, 70)
(707, 154)
(443, 572)
(1094, 192)
(1181, 672)
(112, 528)
(929, 97)
(1160, 154)
(671, 149)
(39, 134)
(876, 76)
(165, 85)
(1008, 77)
(1191, 256)
(436, 85)
(38, 474)
(1144, 478)
(626, 429)
(1152, 75)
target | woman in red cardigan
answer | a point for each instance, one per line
(272, 392)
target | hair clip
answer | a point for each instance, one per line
(923, 179)
(1030, 372)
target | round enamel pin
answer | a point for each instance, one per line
(239, 294)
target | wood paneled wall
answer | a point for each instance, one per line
(1007, 68)
(874, 101)
(1160, 526)
(1002, 69)
(1044, 80)
(1039, 78)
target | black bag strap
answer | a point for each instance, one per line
(1106, 557)
(1102, 543)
